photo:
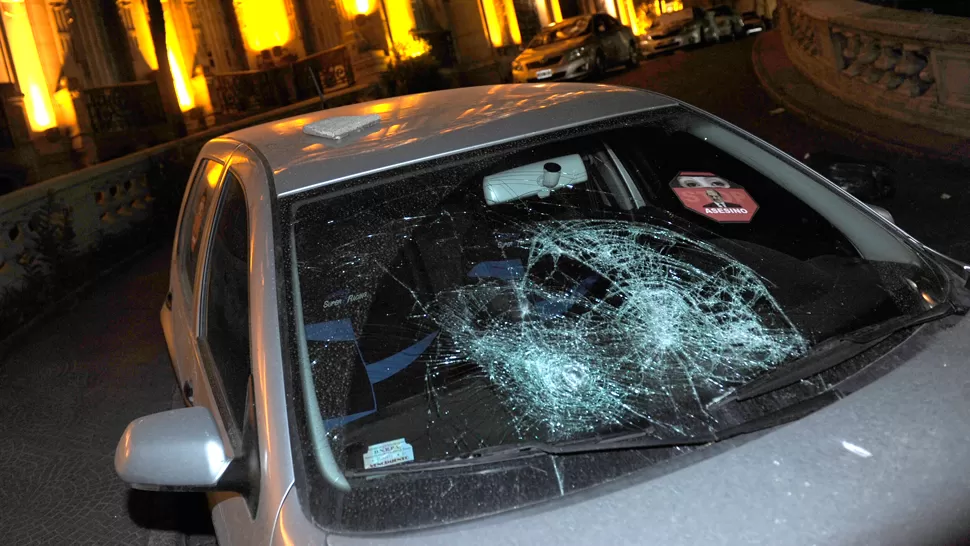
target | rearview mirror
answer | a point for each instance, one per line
(541, 179)
(177, 450)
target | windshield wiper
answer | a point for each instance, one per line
(643, 439)
(610, 442)
(833, 352)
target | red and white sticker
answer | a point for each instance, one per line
(714, 197)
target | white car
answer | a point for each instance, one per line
(556, 314)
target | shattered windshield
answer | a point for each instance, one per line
(561, 32)
(567, 289)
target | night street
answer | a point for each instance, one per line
(720, 79)
(69, 388)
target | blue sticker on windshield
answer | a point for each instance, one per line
(388, 453)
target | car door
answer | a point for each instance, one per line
(180, 313)
(606, 38)
(229, 351)
(619, 39)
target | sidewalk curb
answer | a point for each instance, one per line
(817, 118)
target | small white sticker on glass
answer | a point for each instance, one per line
(388, 453)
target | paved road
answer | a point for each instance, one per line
(67, 393)
(932, 195)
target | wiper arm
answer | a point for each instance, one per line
(833, 352)
(490, 454)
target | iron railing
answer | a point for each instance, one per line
(330, 69)
(121, 108)
(247, 91)
(251, 91)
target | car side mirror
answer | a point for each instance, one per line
(176, 450)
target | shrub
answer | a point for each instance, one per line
(415, 75)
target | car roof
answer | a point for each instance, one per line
(416, 128)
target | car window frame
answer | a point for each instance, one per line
(232, 427)
(190, 286)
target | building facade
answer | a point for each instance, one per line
(79, 78)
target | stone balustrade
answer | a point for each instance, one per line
(910, 66)
(94, 205)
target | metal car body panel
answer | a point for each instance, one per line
(424, 126)
(884, 465)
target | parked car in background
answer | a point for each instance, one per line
(567, 314)
(752, 23)
(576, 48)
(729, 23)
(671, 31)
(709, 31)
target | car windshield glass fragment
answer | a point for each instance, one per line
(618, 281)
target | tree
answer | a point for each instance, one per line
(166, 87)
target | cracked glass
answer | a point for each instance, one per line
(442, 323)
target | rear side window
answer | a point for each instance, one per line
(201, 194)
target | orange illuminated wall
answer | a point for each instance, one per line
(400, 19)
(499, 24)
(491, 21)
(667, 7)
(27, 67)
(359, 7)
(513, 22)
(628, 15)
(263, 23)
(176, 63)
(556, 10)
(542, 11)
(143, 33)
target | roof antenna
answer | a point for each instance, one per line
(316, 83)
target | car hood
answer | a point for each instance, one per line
(822, 479)
(551, 50)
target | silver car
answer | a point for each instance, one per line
(576, 48)
(729, 23)
(672, 31)
(560, 314)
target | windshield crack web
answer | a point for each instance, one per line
(614, 324)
